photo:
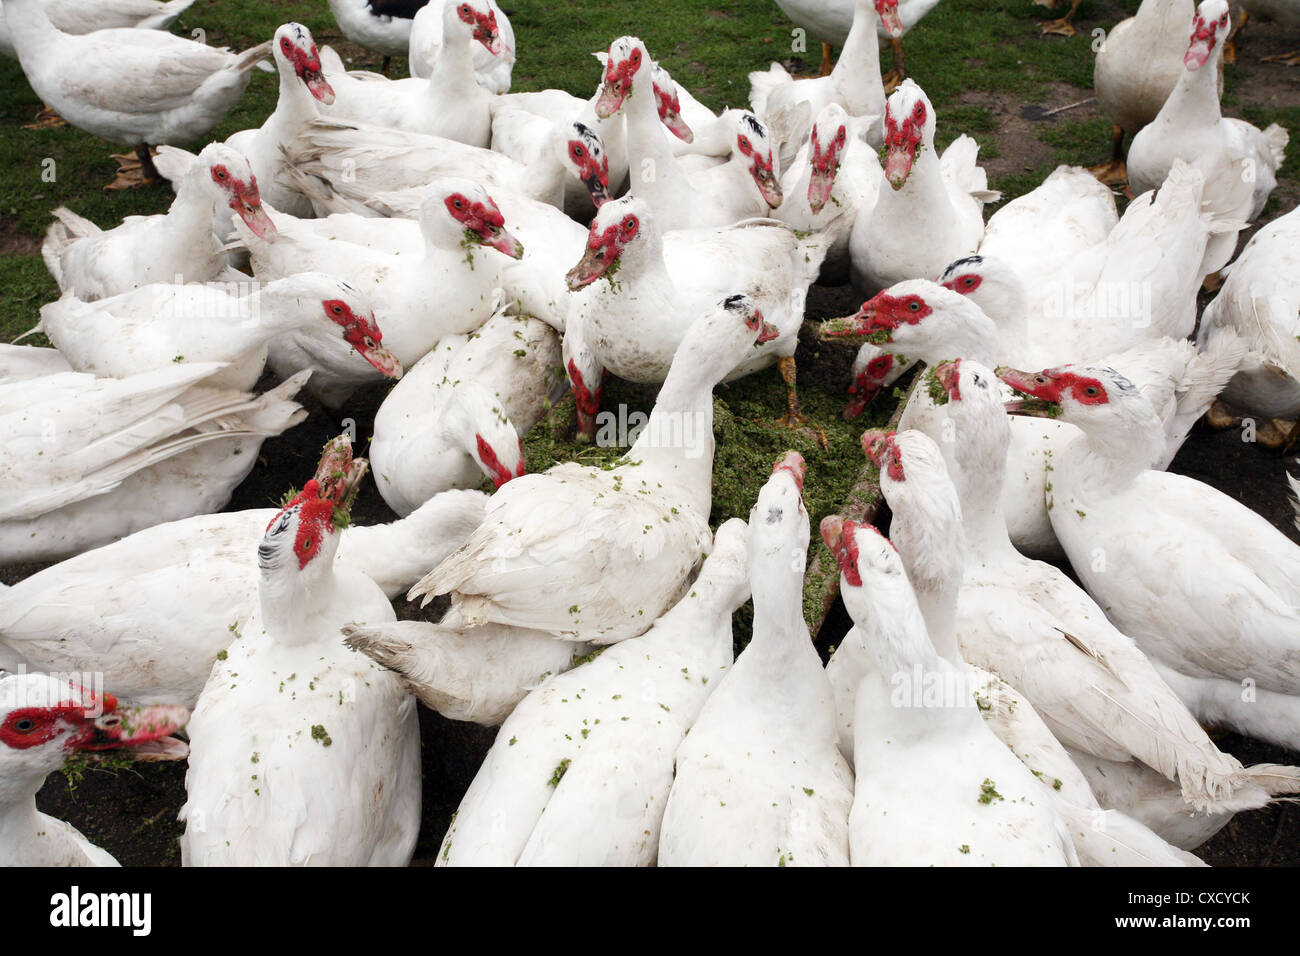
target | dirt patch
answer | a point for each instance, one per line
(16, 242)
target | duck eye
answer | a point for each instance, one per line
(914, 306)
(336, 309)
(1090, 390)
(306, 544)
(25, 726)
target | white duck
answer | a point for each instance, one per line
(934, 785)
(1030, 624)
(461, 412)
(932, 323)
(92, 460)
(448, 290)
(580, 771)
(355, 167)
(854, 84)
(1239, 161)
(450, 103)
(86, 16)
(760, 780)
(834, 177)
(139, 87)
(1136, 69)
(596, 554)
(492, 70)
(1260, 300)
(832, 20)
(160, 325)
(302, 86)
(633, 324)
(178, 246)
(1210, 589)
(933, 204)
(926, 525)
(152, 611)
(717, 196)
(380, 25)
(43, 721)
(325, 770)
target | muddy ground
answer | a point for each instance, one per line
(132, 813)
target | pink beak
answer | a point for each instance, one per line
(609, 102)
(820, 185)
(258, 221)
(384, 360)
(508, 244)
(892, 22)
(678, 126)
(898, 165)
(792, 462)
(319, 87)
(1198, 54)
(768, 186)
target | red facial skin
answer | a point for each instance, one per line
(766, 333)
(594, 174)
(761, 169)
(498, 472)
(839, 536)
(868, 385)
(603, 250)
(1203, 40)
(825, 163)
(95, 724)
(363, 334)
(1053, 384)
(792, 462)
(485, 27)
(949, 376)
(245, 200)
(587, 401)
(486, 222)
(964, 284)
(315, 520)
(880, 448)
(306, 63)
(884, 312)
(902, 137)
(618, 84)
(889, 18)
(670, 114)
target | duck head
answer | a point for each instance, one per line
(587, 381)
(477, 420)
(667, 101)
(44, 719)
(303, 535)
(624, 63)
(865, 557)
(1211, 25)
(887, 10)
(753, 147)
(779, 531)
(872, 371)
(295, 51)
(582, 152)
(920, 318)
(990, 283)
(347, 308)
(620, 228)
(477, 20)
(827, 141)
(460, 212)
(228, 172)
(972, 399)
(909, 127)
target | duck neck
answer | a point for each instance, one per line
(652, 167)
(1104, 462)
(290, 596)
(700, 621)
(1194, 101)
(294, 107)
(978, 468)
(453, 71)
(190, 215)
(922, 204)
(859, 60)
(779, 627)
(934, 555)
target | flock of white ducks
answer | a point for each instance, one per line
(502, 249)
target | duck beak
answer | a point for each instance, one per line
(257, 220)
(892, 22)
(144, 732)
(590, 267)
(861, 325)
(820, 185)
(1197, 55)
(1034, 406)
(792, 462)
(505, 243)
(898, 164)
(673, 120)
(610, 101)
(319, 86)
(384, 360)
(768, 186)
